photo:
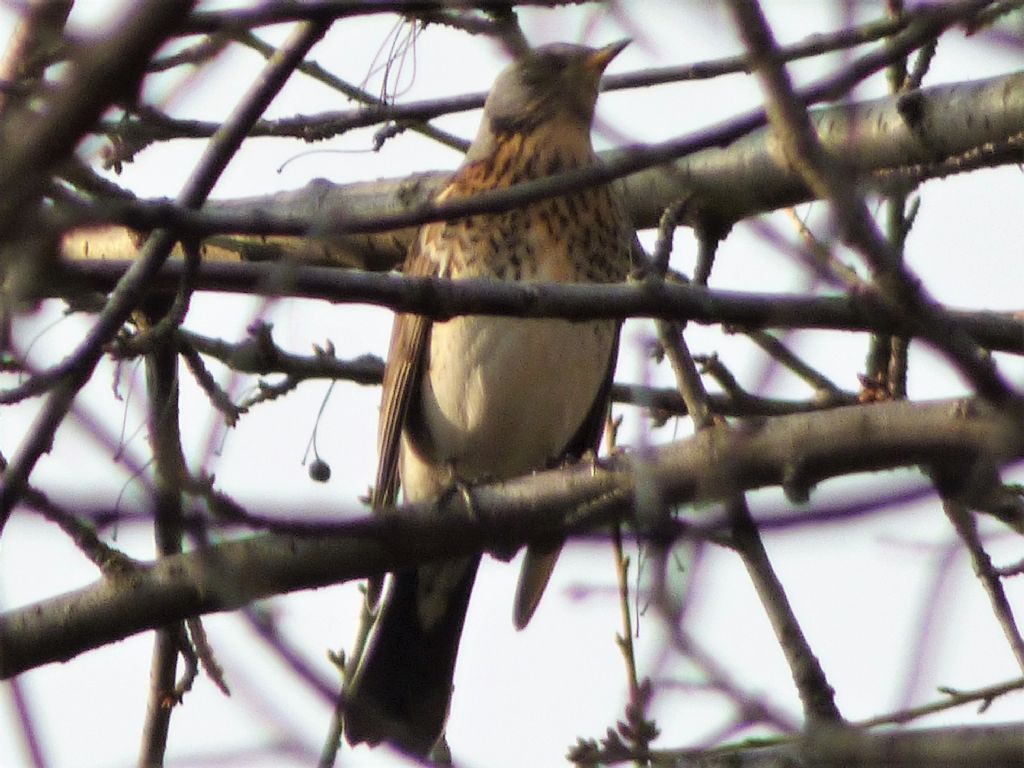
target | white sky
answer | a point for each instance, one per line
(522, 698)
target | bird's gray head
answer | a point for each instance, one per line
(557, 81)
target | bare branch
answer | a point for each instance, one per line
(894, 142)
(979, 746)
(442, 299)
(953, 698)
(967, 530)
(279, 11)
(715, 464)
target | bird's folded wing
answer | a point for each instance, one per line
(410, 337)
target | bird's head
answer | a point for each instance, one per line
(553, 82)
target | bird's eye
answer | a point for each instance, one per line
(542, 69)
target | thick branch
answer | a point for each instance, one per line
(895, 141)
(443, 299)
(281, 11)
(716, 464)
(979, 747)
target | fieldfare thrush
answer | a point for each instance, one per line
(489, 398)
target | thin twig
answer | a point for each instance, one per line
(27, 723)
(112, 562)
(218, 398)
(953, 698)
(966, 527)
(825, 262)
(822, 385)
(169, 463)
(258, 353)
(317, 72)
(263, 623)
(204, 653)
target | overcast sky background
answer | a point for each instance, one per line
(521, 698)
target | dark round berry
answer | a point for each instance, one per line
(320, 471)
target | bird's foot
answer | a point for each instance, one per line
(458, 497)
(500, 550)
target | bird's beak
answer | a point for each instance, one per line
(599, 59)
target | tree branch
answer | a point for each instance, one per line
(713, 465)
(979, 747)
(443, 299)
(280, 11)
(733, 170)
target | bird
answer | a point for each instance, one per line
(484, 398)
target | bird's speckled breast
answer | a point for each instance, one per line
(504, 396)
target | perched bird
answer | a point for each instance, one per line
(489, 398)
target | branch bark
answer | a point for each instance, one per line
(893, 143)
(795, 451)
(979, 747)
(443, 299)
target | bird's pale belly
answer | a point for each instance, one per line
(503, 396)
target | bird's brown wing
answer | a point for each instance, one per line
(540, 559)
(410, 338)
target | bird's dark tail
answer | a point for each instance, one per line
(401, 688)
